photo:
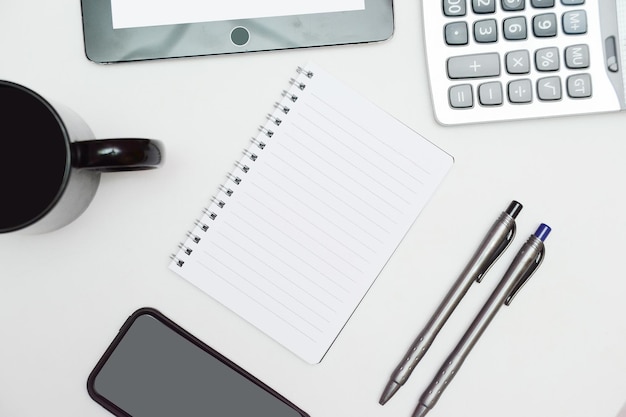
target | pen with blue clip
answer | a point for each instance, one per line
(492, 246)
(521, 269)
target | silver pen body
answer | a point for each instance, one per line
(523, 266)
(492, 246)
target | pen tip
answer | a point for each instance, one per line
(543, 231)
(514, 208)
(391, 388)
(420, 411)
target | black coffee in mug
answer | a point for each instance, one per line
(50, 164)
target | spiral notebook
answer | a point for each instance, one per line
(307, 219)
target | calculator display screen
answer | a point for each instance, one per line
(142, 13)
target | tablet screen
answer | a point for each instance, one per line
(141, 13)
(133, 30)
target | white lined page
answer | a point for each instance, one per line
(316, 217)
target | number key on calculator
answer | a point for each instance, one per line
(491, 60)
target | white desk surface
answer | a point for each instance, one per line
(558, 350)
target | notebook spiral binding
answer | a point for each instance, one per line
(242, 167)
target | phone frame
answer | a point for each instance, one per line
(114, 409)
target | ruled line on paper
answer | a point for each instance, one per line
(337, 227)
(364, 145)
(274, 225)
(322, 202)
(373, 223)
(281, 317)
(315, 226)
(264, 291)
(398, 153)
(289, 281)
(353, 165)
(280, 261)
(342, 175)
(306, 233)
(297, 254)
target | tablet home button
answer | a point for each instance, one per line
(240, 36)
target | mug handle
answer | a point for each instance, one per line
(107, 155)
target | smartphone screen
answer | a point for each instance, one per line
(155, 368)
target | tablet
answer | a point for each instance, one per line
(132, 30)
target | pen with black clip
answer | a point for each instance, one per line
(492, 246)
(521, 269)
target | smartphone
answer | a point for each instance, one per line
(155, 368)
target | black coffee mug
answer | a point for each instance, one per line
(50, 164)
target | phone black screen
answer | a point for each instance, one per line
(154, 368)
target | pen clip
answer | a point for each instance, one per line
(524, 278)
(497, 252)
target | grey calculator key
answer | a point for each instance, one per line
(579, 86)
(549, 88)
(520, 91)
(575, 22)
(461, 96)
(515, 28)
(541, 4)
(454, 7)
(547, 59)
(474, 66)
(513, 5)
(486, 31)
(577, 56)
(484, 6)
(490, 94)
(572, 2)
(456, 33)
(544, 25)
(518, 62)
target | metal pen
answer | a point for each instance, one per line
(492, 246)
(521, 269)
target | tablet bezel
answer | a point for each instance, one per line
(104, 44)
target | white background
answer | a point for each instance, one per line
(137, 13)
(558, 350)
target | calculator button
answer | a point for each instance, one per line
(490, 94)
(520, 91)
(454, 7)
(572, 2)
(456, 33)
(542, 4)
(515, 28)
(579, 86)
(577, 56)
(544, 25)
(474, 66)
(486, 31)
(575, 22)
(483, 6)
(518, 62)
(461, 96)
(549, 88)
(513, 5)
(547, 59)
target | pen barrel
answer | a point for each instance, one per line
(497, 239)
(524, 262)
(491, 247)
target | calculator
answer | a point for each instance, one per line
(496, 60)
